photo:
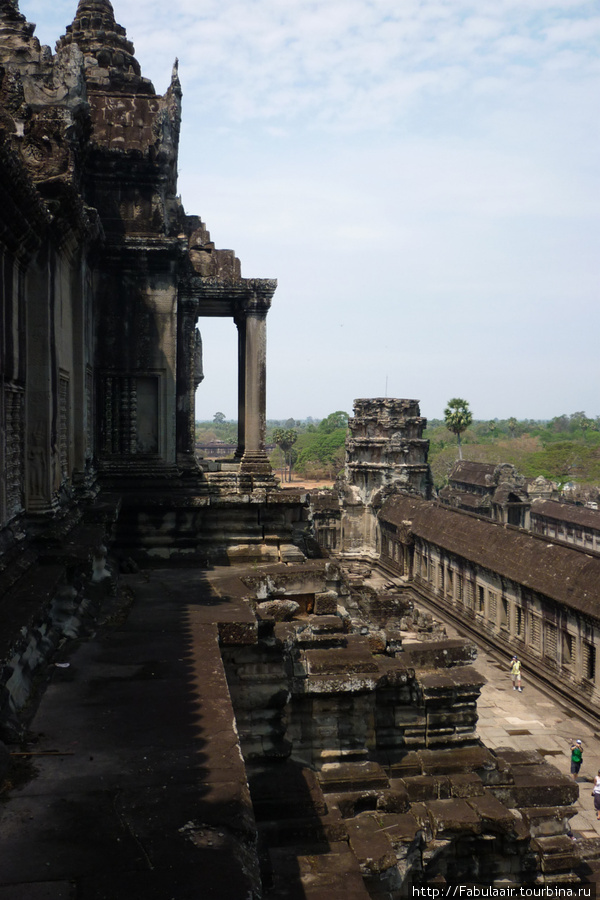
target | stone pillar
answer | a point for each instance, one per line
(255, 461)
(186, 381)
(240, 321)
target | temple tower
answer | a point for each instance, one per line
(385, 452)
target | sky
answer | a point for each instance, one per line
(422, 178)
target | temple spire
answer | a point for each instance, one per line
(98, 35)
(16, 32)
(91, 6)
(9, 13)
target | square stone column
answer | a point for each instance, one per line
(240, 321)
(255, 461)
(186, 381)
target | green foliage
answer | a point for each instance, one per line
(216, 431)
(321, 449)
(285, 438)
(333, 422)
(567, 448)
(564, 461)
(457, 418)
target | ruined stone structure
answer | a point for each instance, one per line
(105, 279)
(327, 724)
(567, 523)
(501, 494)
(521, 592)
(385, 451)
(497, 492)
(357, 720)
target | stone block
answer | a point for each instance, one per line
(492, 813)
(333, 684)
(453, 816)
(335, 777)
(558, 854)
(466, 785)
(404, 764)
(279, 610)
(350, 803)
(537, 790)
(454, 760)
(437, 654)
(400, 828)
(518, 757)
(326, 624)
(231, 633)
(289, 553)
(465, 679)
(339, 661)
(549, 821)
(326, 603)
(427, 787)
(589, 848)
(370, 845)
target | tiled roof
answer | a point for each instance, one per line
(567, 512)
(562, 573)
(467, 472)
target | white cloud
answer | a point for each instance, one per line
(420, 176)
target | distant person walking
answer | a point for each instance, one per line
(596, 794)
(576, 758)
(515, 671)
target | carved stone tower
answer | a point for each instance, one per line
(385, 452)
(105, 280)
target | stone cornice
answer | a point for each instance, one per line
(217, 297)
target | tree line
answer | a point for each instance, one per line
(563, 449)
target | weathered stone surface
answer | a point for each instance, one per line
(451, 760)
(551, 789)
(466, 786)
(453, 816)
(352, 777)
(326, 603)
(350, 803)
(405, 764)
(400, 829)
(494, 815)
(558, 854)
(331, 662)
(427, 787)
(439, 654)
(332, 875)
(279, 610)
(370, 845)
(548, 821)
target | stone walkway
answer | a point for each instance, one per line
(533, 721)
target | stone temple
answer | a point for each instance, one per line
(210, 687)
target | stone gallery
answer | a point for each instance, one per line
(209, 687)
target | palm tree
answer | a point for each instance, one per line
(285, 438)
(457, 418)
